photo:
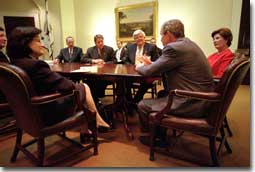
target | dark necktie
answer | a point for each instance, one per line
(70, 53)
(101, 51)
(4, 58)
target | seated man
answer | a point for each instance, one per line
(98, 54)
(184, 66)
(153, 41)
(69, 54)
(119, 54)
(3, 57)
(139, 48)
(3, 41)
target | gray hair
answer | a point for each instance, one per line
(137, 32)
(174, 26)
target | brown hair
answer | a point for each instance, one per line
(20, 37)
(225, 33)
(98, 36)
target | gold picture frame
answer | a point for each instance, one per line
(139, 16)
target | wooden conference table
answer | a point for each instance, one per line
(119, 73)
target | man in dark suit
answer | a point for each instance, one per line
(3, 57)
(3, 41)
(119, 54)
(185, 67)
(153, 41)
(69, 54)
(98, 54)
(134, 51)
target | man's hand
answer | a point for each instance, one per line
(56, 61)
(98, 61)
(138, 65)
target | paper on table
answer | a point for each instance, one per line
(86, 69)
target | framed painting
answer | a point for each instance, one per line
(139, 16)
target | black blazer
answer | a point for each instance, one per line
(3, 57)
(46, 81)
(148, 49)
(122, 54)
(75, 57)
(92, 53)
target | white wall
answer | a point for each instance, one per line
(94, 17)
(200, 18)
(35, 8)
(85, 18)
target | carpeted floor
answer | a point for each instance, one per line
(115, 150)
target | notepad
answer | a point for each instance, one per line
(92, 69)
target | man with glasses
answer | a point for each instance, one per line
(69, 54)
(133, 53)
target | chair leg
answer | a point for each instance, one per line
(152, 142)
(95, 141)
(212, 143)
(41, 149)
(18, 142)
(227, 127)
(224, 139)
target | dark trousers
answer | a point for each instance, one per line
(145, 107)
(139, 94)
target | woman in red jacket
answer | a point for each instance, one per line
(219, 60)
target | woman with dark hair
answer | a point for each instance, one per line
(24, 48)
(219, 61)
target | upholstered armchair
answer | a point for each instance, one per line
(212, 124)
(26, 106)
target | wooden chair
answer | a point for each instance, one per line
(210, 125)
(152, 90)
(26, 106)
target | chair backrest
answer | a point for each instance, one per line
(227, 87)
(18, 89)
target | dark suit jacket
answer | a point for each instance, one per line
(92, 53)
(184, 66)
(3, 57)
(148, 49)
(46, 81)
(122, 54)
(75, 57)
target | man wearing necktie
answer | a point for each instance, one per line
(98, 54)
(133, 54)
(69, 54)
(3, 41)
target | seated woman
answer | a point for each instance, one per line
(24, 48)
(219, 60)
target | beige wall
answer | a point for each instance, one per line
(85, 18)
(94, 17)
(200, 17)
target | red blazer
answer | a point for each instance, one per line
(220, 61)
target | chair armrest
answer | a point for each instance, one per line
(210, 96)
(37, 100)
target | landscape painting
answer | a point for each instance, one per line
(133, 17)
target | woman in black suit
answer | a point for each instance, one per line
(24, 48)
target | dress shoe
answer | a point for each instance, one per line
(145, 140)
